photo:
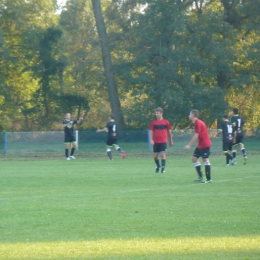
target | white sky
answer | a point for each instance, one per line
(60, 4)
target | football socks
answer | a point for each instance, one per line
(157, 163)
(228, 157)
(72, 151)
(198, 168)
(163, 163)
(243, 150)
(109, 154)
(119, 150)
(207, 170)
(234, 153)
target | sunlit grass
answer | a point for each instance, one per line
(135, 248)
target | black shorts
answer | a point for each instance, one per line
(69, 139)
(203, 153)
(111, 141)
(227, 147)
(159, 147)
(239, 139)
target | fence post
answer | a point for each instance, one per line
(77, 139)
(5, 142)
(148, 138)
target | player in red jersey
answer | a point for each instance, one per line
(203, 148)
(160, 130)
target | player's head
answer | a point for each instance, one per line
(194, 114)
(159, 112)
(235, 111)
(111, 116)
(225, 117)
(67, 116)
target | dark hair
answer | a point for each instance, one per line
(112, 116)
(235, 110)
(195, 112)
(225, 116)
(159, 109)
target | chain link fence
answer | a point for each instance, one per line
(90, 143)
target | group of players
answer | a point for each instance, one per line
(69, 138)
(160, 135)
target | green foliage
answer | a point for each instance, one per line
(175, 54)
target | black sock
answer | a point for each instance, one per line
(157, 163)
(119, 150)
(228, 157)
(243, 150)
(109, 155)
(72, 151)
(234, 154)
(198, 169)
(163, 163)
(207, 170)
(67, 152)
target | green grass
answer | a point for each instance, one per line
(95, 209)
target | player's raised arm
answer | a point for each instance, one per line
(80, 120)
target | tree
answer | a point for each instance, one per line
(111, 83)
(175, 55)
(21, 23)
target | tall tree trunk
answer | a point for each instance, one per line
(107, 63)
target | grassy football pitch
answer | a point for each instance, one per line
(96, 209)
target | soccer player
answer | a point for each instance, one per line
(111, 129)
(69, 138)
(227, 132)
(238, 123)
(203, 148)
(160, 130)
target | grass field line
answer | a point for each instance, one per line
(193, 184)
(109, 247)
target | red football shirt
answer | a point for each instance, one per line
(160, 129)
(203, 139)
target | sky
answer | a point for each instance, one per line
(60, 3)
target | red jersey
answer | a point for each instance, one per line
(160, 130)
(203, 139)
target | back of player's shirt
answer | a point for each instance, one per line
(227, 131)
(112, 129)
(238, 123)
